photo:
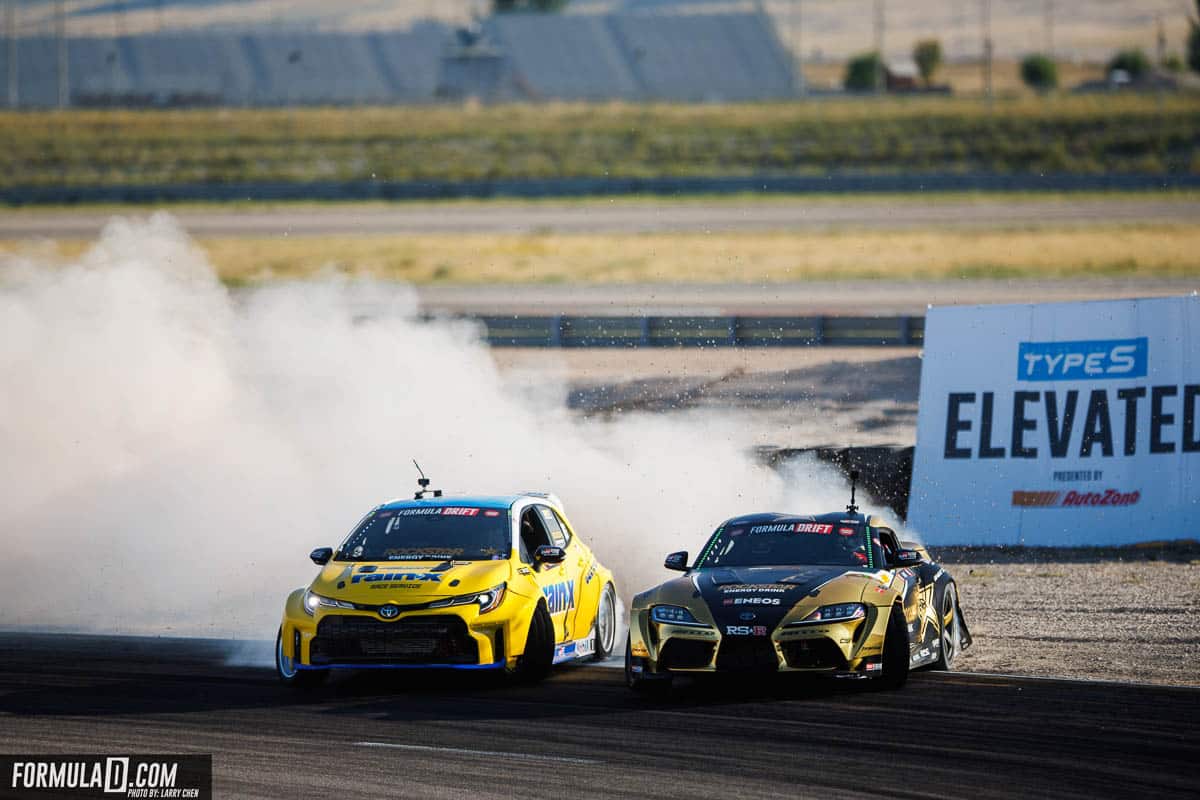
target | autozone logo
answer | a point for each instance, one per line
(1073, 499)
(752, 601)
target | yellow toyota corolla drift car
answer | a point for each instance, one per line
(469, 583)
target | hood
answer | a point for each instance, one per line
(764, 595)
(407, 582)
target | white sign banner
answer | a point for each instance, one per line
(1059, 424)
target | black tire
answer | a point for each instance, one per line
(292, 677)
(606, 624)
(950, 632)
(534, 664)
(895, 652)
(646, 686)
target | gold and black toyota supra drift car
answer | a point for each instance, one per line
(835, 594)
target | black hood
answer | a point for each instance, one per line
(733, 594)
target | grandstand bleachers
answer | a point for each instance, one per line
(625, 55)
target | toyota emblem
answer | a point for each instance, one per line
(746, 616)
(388, 612)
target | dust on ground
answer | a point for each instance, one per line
(786, 397)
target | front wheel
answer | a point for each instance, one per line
(606, 624)
(291, 675)
(534, 664)
(949, 629)
(895, 652)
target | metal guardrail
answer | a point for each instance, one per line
(685, 331)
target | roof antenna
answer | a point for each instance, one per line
(423, 482)
(853, 507)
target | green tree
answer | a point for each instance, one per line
(1132, 61)
(1039, 72)
(505, 6)
(928, 55)
(863, 73)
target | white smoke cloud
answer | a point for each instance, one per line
(170, 451)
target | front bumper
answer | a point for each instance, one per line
(445, 638)
(852, 648)
(441, 640)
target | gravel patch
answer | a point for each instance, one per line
(1130, 614)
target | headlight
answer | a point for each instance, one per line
(675, 615)
(835, 613)
(312, 601)
(487, 600)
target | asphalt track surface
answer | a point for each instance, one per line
(583, 734)
(622, 217)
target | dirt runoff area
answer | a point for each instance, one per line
(1128, 613)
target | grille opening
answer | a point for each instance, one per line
(343, 639)
(751, 654)
(685, 654)
(813, 654)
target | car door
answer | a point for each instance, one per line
(573, 569)
(918, 593)
(555, 580)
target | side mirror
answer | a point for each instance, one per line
(677, 561)
(549, 554)
(321, 556)
(906, 557)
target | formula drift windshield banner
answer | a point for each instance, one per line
(1059, 424)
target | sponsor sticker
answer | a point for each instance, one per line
(745, 630)
(560, 596)
(456, 511)
(751, 601)
(793, 527)
(752, 588)
(369, 575)
(1073, 499)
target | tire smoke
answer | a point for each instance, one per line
(172, 449)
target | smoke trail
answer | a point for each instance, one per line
(171, 452)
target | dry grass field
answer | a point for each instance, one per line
(1116, 250)
(1021, 134)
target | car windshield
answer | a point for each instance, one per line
(788, 542)
(430, 533)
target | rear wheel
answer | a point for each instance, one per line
(606, 624)
(895, 652)
(291, 675)
(949, 629)
(534, 664)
